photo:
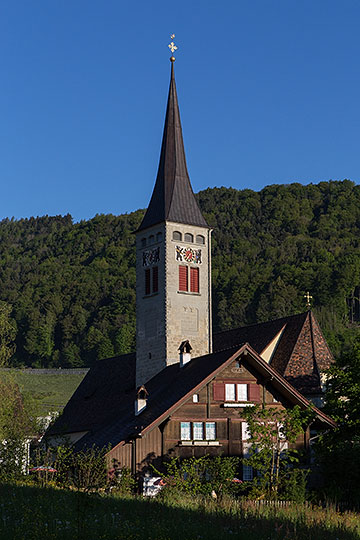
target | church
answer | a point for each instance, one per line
(183, 391)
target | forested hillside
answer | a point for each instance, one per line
(71, 286)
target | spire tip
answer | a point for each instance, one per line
(172, 48)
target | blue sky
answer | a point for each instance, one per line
(268, 91)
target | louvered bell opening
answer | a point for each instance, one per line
(183, 278)
(194, 280)
(147, 281)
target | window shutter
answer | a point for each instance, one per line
(219, 391)
(155, 279)
(147, 281)
(254, 392)
(194, 280)
(183, 278)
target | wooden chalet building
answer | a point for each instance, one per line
(184, 390)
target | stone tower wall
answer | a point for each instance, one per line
(167, 317)
(150, 309)
(188, 315)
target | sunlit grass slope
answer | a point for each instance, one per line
(50, 391)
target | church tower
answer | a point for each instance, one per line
(173, 264)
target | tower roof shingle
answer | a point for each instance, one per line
(173, 198)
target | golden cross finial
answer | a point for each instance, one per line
(172, 46)
(308, 299)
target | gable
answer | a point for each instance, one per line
(310, 356)
(269, 350)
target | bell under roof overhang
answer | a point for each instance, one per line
(173, 198)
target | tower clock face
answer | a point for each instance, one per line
(151, 256)
(188, 254)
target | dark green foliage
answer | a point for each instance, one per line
(272, 455)
(339, 449)
(17, 426)
(72, 286)
(272, 246)
(203, 475)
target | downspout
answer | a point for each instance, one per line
(209, 291)
(133, 457)
(208, 400)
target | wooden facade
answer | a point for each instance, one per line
(207, 408)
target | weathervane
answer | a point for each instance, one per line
(172, 48)
(308, 299)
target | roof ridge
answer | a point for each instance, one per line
(259, 323)
(298, 336)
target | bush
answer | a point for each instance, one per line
(201, 476)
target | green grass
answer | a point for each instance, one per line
(50, 392)
(45, 513)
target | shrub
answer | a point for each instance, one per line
(202, 475)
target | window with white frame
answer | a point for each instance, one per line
(230, 392)
(210, 431)
(242, 392)
(248, 472)
(198, 431)
(195, 398)
(236, 392)
(185, 430)
(245, 433)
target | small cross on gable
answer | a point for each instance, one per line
(308, 299)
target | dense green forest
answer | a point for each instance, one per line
(71, 286)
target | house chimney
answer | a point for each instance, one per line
(185, 353)
(141, 399)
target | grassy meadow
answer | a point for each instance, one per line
(49, 391)
(35, 513)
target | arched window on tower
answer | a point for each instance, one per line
(159, 237)
(189, 237)
(177, 236)
(200, 239)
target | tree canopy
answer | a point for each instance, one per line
(71, 286)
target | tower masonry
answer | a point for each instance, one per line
(173, 261)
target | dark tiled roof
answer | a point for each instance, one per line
(104, 402)
(172, 386)
(260, 335)
(300, 355)
(165, 389)
(99, 397)
(173, 198)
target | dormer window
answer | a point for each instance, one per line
(177, 236)
(185, 352)
(189, 237)
(141, 399)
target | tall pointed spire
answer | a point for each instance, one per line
(173, 198)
